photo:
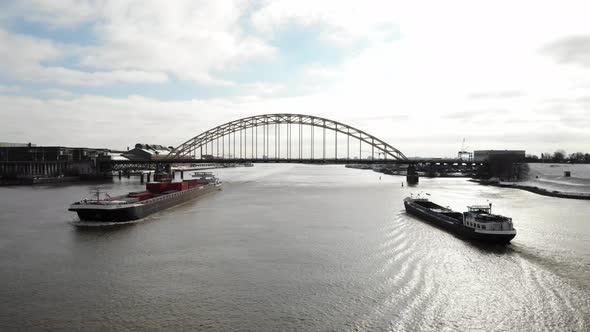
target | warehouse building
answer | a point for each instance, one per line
(147, 152)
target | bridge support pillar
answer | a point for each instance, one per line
(141, 177)
(182, 175)
(149, 177)
(411, 175)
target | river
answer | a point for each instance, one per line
(294, 247)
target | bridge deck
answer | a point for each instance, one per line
(299, 161)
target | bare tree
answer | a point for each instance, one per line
(576, 157)
(558, 156)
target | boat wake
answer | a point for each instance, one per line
(79, 223)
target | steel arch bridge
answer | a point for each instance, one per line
(260, 139)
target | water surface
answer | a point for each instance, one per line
(294, 247)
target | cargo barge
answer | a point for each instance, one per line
(158, 196)
(478, 223)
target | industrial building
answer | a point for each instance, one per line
(487, 155)
(147, 152)
(503, 164)
(26, 160)
(31, 152)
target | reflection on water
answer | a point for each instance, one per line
(286, 247)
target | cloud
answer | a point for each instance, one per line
(340, 23)
(570, 50)
(59, 93)
(63, 13)
(496, 94)
(108, 122)
(147, 41)
(485, 118)
(24, 58)
(384, 118)
(9, 88)
(262, 89)
(569, 112)
(463, 115)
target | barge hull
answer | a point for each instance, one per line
(446, 223)
(140, 211)
(118, 215)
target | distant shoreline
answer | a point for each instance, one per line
(536, 190)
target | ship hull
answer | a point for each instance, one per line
(130, 212)
(114, 215)
(455, 227)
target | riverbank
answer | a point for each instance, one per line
(536, 190)
(555, 180)
(31, 181)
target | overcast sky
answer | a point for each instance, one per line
(419, 75)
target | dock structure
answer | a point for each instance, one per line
(35, 168)
(27, 162)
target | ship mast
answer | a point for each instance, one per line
(96, 192)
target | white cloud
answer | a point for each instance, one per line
(191, 40)
(24, 57)
(108, 122)
(58, 93)
(148, 40)
(342, 23)
(63, 13)
(571, 50)
(9, 88)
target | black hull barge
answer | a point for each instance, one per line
(159, 196)
(477, 224)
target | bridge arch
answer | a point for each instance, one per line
(266, 121)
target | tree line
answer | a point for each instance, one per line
(560, 156)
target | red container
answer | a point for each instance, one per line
(192, 183)
(178, 186)
(156, 187)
